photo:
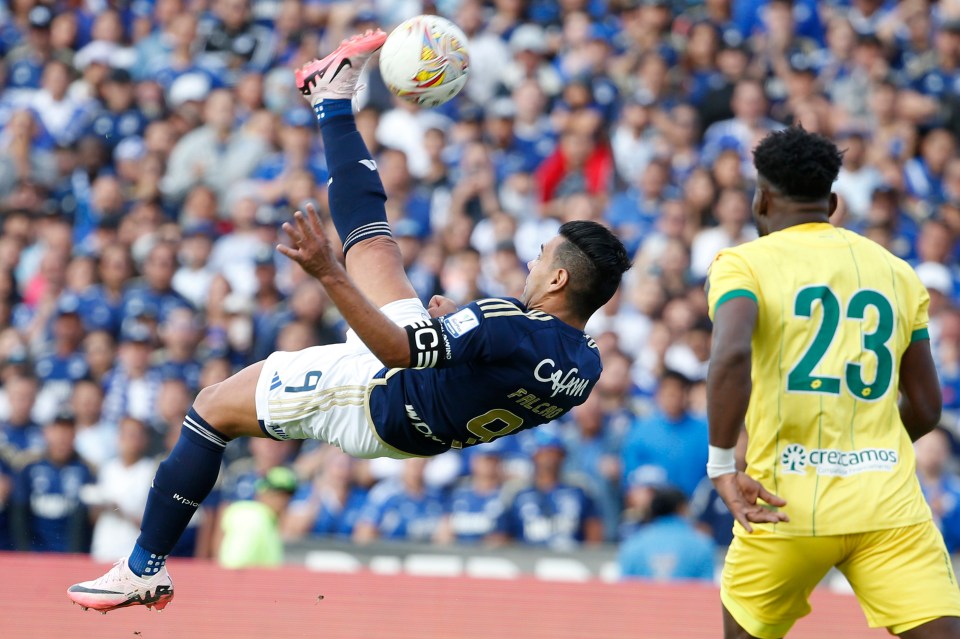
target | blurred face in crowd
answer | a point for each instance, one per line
(68, 331)
(160, 266)
(933, 452)
(589, 416)
(132, 440)
(547, 462)
(108, 27)
(672, 397)
(234, 13)
(21, 394)
(99, 350)
(63, 31)
(733, 209)
(749, 102)
(86, 402)
(308, 302)
(393, 171)
(118, 95)
(218, 112)
(486, 467)
(173, 400)
(296, 336)
(116, 266)
(937, 148)
(59, 438)
(135, 357)
(214, 371)
(935, 243)
(81, 273)
(614, 382)
(56, 79)
(268, 453)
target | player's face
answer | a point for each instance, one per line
(541, 270)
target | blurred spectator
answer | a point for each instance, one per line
(19, 434)
(550, 513)
(733, 228)
(330, 504)
(65, 364)
(410, 510)
(48, 515)
(669, 547)
(96, 440)
(475, 507)
(118, 498)
(593, 438)
(132, 385)
(671, 437)
(250, 530)
(940, 485)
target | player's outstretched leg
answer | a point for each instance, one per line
(355, 191)
(184, 479)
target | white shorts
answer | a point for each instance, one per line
(323, 392)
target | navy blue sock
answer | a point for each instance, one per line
(355, 191)
(183, 480)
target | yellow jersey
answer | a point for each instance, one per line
(836, 313)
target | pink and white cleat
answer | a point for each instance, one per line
(335, 76)
(120, 588)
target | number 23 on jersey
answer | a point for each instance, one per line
(801, 377)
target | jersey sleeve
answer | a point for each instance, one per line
(921, 316)
(481, 331)
(729, 277)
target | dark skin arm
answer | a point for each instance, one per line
(728, 395)
(312, 251)
(920, 400)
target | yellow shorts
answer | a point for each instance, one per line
(902, 577)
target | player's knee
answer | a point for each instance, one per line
(213, 405)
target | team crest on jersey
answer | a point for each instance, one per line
(461, 322)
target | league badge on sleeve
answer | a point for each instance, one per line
(461, 323)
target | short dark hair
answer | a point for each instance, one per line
(803, 166)
(595, 259)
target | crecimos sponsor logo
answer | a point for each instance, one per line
(837, 463)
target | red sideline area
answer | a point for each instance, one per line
(211, 603)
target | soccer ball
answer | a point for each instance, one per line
(425, 60)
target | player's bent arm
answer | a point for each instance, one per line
(385, 339)
(920, 399)
(728, 379)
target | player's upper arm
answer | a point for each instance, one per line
(730, 277)
(481, 331)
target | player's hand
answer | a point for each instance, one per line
(310, 247)
(440, 305)
(740, 492)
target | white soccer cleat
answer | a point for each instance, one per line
(336, 76)
(120, 588)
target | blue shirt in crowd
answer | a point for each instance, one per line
(667, 548)
(678, 446)
(555, 518)
(57, 521)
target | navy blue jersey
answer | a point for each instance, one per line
(50, 495)
(474, 515)
(490, 369)
(555, 518)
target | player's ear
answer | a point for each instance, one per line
(832, 204)
(561, 277)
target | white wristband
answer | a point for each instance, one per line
(721, 461)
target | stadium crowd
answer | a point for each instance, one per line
(150, 150)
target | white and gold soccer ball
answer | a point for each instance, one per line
(425, 60)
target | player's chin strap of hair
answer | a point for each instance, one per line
(721, 461)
